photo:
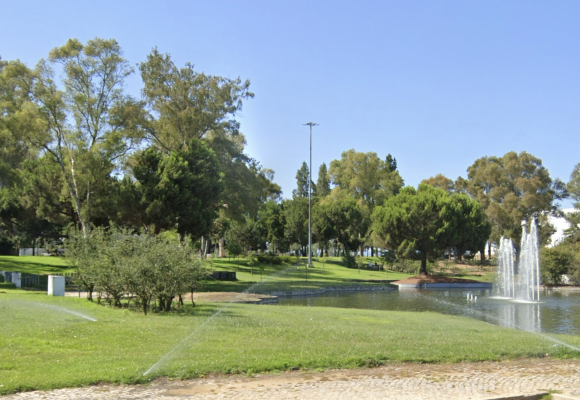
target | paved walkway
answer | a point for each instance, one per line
(402, 382)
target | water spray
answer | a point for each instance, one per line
(210, 318)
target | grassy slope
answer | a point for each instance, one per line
(326, 272)
(41, 265)
(42, 347)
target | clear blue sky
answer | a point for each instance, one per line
(437, 84)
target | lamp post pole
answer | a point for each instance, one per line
(310, 124)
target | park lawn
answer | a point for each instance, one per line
(40, 265)
(43, 347)
(327, 272)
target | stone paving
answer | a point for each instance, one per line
(398, 381)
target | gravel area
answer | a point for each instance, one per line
(397, 381)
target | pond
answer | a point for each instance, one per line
(558, 311)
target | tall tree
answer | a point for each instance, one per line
(573, 185)
(340, 219)
(322, 183)
(296, 216)
(365, 176)
(424, 222)
(511, 189)
(184, 106)
(302, 182)
(271, 216)
(391, 162)
(188, 104)
(86, 128)
(180, 190)
(442, 182)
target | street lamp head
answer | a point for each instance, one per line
(310, 124)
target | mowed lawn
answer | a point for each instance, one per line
(326, 272)
(265, 277)
(43, 345)
(40, 265)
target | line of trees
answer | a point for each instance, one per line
(76, 151)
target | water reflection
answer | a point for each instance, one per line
(559, 312)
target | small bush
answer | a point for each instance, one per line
(554, 263)
(267, 259)
(277, 260)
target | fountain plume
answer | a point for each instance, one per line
(526, 285)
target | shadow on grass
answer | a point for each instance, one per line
(200, 310)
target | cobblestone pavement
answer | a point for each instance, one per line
(397, 381)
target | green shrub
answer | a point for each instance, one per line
(269, 259)
(555, 262)
(117, 262)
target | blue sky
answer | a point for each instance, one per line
(437, 84)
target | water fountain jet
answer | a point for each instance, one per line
(525, 286)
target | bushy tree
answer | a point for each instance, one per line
(555, 262)
(341, 220)
(511, 189)
(421, 223)
(117, 262)
(179, 190)
(442, 182)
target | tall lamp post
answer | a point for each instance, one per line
(310, 124)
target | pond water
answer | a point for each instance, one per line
(558, 311)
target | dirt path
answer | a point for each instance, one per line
(398, 381)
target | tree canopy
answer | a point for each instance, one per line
(422, 223)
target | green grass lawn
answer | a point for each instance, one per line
(43, 347)
(40, 265)
(327, 271)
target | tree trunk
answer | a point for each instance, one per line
(222, 248)
(482, 254)
(489, 250)
(423, 270)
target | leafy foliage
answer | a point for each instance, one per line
(179, 190)
(511, 189)
(422, 223)
(117, 263)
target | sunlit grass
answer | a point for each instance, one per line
(40, 265)
(42, 347)
(326, 272)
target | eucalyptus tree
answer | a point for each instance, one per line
(366, 178)
(85, 122)
(185, 106)
(442, 182)
(511, 189)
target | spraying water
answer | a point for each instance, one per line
(168, 355)
(53, 307)
(526, 285)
